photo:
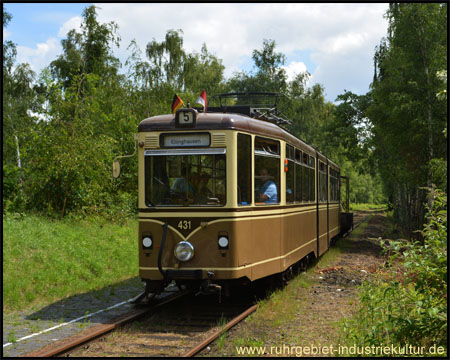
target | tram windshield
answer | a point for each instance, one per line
(184, 179)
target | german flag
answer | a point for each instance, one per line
(176, 103)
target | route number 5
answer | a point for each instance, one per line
(186, 117)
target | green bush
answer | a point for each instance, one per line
(116, 208)
(13, 198)
(408, 304)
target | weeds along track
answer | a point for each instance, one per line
(172, 330)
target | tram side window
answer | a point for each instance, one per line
(311, 179)
(244, 165)
(338, 192)
(331, 184)
(290, 174)
(334, 185)
(305, 183)
(298, 176)
(267, 171)
(322, 182)
(305, 178)
(335, 188)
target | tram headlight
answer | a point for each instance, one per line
(184, 251)
(147, 242)
(223, 242)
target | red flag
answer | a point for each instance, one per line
(202, 99)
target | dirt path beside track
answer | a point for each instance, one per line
(321, 298)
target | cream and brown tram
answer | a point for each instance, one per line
(202, 218)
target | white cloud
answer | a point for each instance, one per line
(72, 23)
(41, 56)
(44, 53)
(344, 43)
(294, 68)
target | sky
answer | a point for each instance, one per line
(334, 42)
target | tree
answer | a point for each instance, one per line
(203, 71)
(72, 153)
(19, 98)
(70, 162)
(88, 52)
(406, 116)
(269, 64)
(269, 75)
(349, 126)
(169, 69)
(166, 59)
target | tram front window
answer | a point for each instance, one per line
(185, 180)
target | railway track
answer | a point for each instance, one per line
(179, 324)
(182, 328)
(358, 218)
(59, 347)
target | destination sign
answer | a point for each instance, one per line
(186, 140)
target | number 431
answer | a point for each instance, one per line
(184, 225)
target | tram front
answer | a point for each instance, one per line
(186, 177)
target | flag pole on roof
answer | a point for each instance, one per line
(176, 103)
(202, 100)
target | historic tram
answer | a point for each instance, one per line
(228, 195)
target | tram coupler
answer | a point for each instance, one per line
(151, 290)
(208, 287)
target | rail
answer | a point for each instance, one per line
(99, 330)
(219, 332)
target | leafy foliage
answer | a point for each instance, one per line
(407, 119)
(408, 304)
(269, 75)
(87, 52)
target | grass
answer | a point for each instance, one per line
(223, 336)
(365, 207)
(11, 337)
(45, 260)
(342, 245)
(283, 304)
(85, 322)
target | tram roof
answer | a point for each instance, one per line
(228, 121)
